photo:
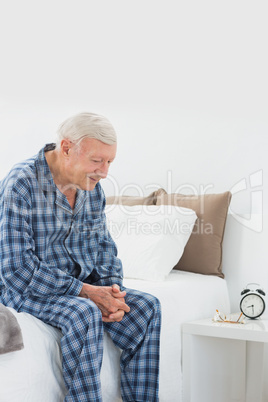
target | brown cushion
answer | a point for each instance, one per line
(132, 200)
(203, 252)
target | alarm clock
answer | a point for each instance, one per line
(252, 304)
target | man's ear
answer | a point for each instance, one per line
(65, 147)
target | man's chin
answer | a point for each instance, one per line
(90, 185)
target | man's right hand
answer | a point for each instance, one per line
(109, 299)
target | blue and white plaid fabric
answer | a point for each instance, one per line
(47, 252)
(82, 344)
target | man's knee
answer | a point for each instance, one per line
(145, 302)
(155, 303)
(84, 313)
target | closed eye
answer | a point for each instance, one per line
(101, 161)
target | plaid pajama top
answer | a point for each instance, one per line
(45, 246)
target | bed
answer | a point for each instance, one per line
(189, 283)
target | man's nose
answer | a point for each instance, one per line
(103, 171)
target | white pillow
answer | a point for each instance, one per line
(150, 238)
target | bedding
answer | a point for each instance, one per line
(203, 252)
(150, 199)
(34, 373)
(157, 235)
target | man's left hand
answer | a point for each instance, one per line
(120, 313)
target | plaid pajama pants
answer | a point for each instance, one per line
(138, 335)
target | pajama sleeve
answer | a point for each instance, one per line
(21, 270)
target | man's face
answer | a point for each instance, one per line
(89, 162)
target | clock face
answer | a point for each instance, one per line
(252, 305)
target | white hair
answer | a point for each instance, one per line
(86, 125)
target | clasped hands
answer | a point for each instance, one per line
(109, 299)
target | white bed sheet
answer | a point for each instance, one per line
(34, 373)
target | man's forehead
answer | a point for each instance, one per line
(93, 146)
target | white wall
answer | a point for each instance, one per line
(184, 83)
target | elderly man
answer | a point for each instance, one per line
(59, 263)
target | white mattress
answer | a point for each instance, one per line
(184, 297)
(34, 373)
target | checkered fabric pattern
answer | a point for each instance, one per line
(82, 344)
(47, 252)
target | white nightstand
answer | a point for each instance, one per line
(248, 374)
